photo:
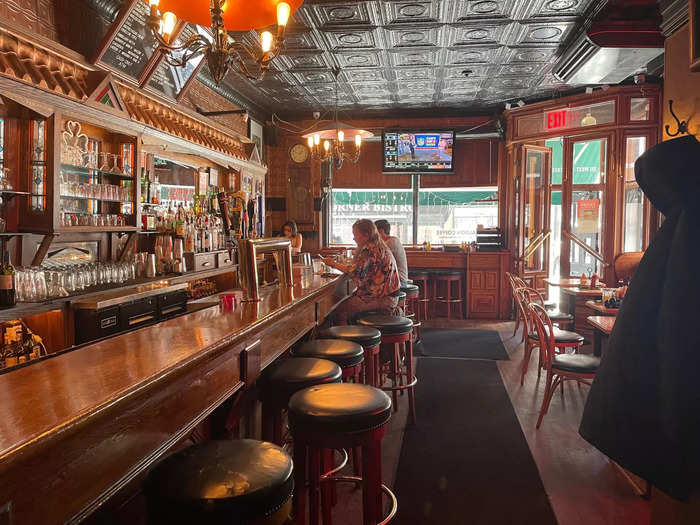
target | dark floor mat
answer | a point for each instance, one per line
(467, 462)
(467, 344)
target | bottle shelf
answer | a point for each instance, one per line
(81, 170)
(94, 199)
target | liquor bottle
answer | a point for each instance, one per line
(7, 283)
(144, 185)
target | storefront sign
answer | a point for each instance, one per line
(587, 213)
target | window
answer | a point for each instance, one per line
(38, 165)
(451, 215)
(639, 108)
(443, 215)
(347, 206)
(634, 199)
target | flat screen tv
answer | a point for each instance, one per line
(418, 151)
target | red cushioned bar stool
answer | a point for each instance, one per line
(397, 354)
(421, 278)
(369, 338)
(279, 381)
(447, 290)
(340, 415)
(222, 482)
(346, 354)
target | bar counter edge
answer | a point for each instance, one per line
(77, 428)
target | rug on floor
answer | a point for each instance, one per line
(466, 461)
(465, 343)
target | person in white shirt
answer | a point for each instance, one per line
(396, 248)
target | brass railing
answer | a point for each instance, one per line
(587, 248)
(535, 243)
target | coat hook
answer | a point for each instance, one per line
(682, 125)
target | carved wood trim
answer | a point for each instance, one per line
(22, 60)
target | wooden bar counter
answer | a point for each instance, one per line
(77, 428)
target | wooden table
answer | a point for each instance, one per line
(77, 428)
(600, 307)
(603, 326)
(568, 282)
(573, 301)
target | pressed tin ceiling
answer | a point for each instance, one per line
(423, 54)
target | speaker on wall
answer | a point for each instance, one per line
(275, 204)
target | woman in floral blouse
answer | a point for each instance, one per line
(374, 272)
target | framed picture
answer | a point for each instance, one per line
(694, 26)
(255, 133)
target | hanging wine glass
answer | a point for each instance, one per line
(105, 161)
(115, 164)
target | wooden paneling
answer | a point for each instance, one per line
(436, 259)
(476, 164)
(680, 85)
(488, 292)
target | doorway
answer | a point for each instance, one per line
(579, 174)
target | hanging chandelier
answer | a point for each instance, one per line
(222, 52)
(328, 144)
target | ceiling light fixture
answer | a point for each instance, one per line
(328, 144)
(221, 16)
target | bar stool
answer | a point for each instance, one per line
(401, 296)
(346, 354)
(448, 278)
(222, 482)
(421, 279)
(368, 337)
(396, 334)
(411, 310)
(281, 380)
(342, 415)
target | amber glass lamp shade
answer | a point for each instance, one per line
(238, 15)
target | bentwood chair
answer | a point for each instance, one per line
(515, 284)
(560, 367)
(563, 339)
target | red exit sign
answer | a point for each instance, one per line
(556, 119)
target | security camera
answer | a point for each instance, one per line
(317, 115)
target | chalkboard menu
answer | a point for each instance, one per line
(133, 45)
(169, 80)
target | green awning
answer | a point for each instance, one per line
(399, 198)
(586, 161)
(446, 198)
(387, 198)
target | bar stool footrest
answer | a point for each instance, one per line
(338, 467)
(400, 387)
(386, 490)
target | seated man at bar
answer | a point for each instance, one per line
(373, 269)
(396, 248)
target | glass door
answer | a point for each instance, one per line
(581, 196)
(533, 197)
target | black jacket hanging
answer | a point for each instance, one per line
(643, 410)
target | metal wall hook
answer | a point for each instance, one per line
(682, 125)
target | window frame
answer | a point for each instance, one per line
(415, 190)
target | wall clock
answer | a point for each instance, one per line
(299, 153)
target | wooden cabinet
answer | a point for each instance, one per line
(488, 296)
